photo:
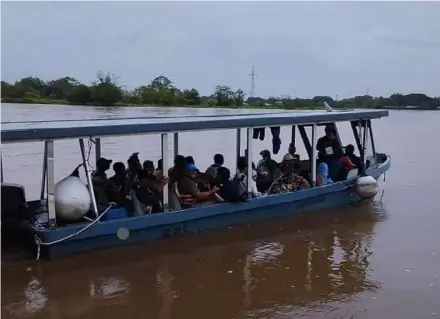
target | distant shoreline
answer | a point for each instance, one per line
(47, 101)
(108, 92)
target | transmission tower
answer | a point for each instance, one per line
(252, 75)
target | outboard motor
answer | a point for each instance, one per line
(14, 207)
(367, 187)
(72, 198)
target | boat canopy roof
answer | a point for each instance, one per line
(12, 132)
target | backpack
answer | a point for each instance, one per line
(212, 170)
(241, 185)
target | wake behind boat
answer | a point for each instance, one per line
(71, 216)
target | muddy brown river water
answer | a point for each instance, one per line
(369, 261)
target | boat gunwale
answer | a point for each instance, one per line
(197, 124)
(184, 216)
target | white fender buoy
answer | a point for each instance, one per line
(367, 187)
(72, 198)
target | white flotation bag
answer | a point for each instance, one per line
(367, 187)
(72, 198)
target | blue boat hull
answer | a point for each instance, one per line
(157, 226)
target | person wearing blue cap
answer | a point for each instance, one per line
(188, 185)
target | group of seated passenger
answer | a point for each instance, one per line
(334, 165)
(139, 187)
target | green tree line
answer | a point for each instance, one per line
(106, 91)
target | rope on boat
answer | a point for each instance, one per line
(39, 243)
(383, 190)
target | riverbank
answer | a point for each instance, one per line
(60, 102)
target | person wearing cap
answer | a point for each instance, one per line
(265, 171)
(187, 185)
(99, 180)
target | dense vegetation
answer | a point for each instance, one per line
(106, 91)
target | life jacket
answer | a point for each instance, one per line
(186, 200)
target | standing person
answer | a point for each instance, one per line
(330, 151)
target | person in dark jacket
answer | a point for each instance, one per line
(229, 190)
(148, 193)
(99, 180)
(266, 169)
(115, 188)
(329, 151)
(219, 160)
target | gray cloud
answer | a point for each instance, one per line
(298, 48)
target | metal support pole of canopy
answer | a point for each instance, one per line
(313, 158)
(373, 146)
(175, 145)
(50, 165)
(364, 146)
(238, 147)
(1, 166)
(165, 164)
(97, 148)
(293, 135)
(44, 174)
(249, 162)
(88, 176)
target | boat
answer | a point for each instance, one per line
(104, 228)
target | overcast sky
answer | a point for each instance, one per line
(298, 48)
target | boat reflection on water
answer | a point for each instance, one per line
(257, 270)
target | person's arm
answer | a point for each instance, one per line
(255, 191)
(272, 165)
(304, 183)
(161, 184)
(320, 145)
(194, 191)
